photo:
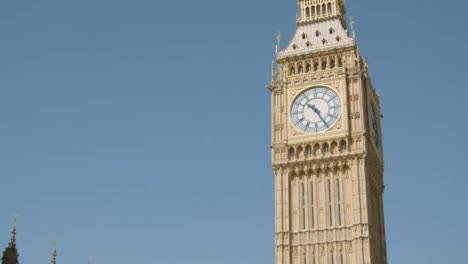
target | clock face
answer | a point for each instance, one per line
(316, 110)
(375, 128)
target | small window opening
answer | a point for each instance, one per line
(292, 153)
(338, 38)
(324, 41)
(308, 151)
(308, 44)
(317, 33)
(300, 70)
(308, 68)
(294, 46)
(332, 63)
(343, 145)
(292, 71)
(316, 66)
(332, 30)
(324, 64)
(326, 148)
(304, 35)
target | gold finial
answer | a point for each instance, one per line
(13, 234)
(351, 23)
(278, 37)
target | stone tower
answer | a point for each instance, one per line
(10, 255)
(327, 154)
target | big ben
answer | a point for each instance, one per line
(327, 153)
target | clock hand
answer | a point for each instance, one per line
(311, 106)
(323, 120)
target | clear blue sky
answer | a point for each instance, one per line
(138, 131)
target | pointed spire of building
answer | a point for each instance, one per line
(10, 255)
(13, 234)
(89, 261)
(54, 255)
(351, 24)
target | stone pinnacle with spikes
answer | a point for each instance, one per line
(13, 234)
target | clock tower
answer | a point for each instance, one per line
(327, 153)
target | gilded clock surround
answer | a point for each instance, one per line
(328, 185)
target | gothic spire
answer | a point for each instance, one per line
(13, 234)
(54, 255)
(10, 255)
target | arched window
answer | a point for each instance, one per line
(300, 70)
(324, 10)
(308, 151)
(324, 64)
(332, 63)
(316, 66)
(329, 8)
(316, 149)
(312, 10)
(340, 62)
(343, 145)
(292, 71)
(319, 13)
(334, 147)
(299, 152)
(292, 153)
(326, 148)
(308, 67)
(307, 12)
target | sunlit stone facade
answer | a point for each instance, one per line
(327, 153)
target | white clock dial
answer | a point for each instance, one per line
(316, 110)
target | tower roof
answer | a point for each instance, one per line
(321, 26)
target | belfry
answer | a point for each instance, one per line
(327, 153)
